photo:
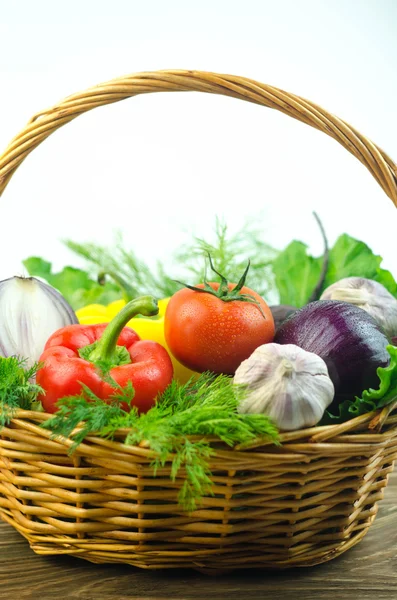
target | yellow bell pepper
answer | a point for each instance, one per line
(148, 328)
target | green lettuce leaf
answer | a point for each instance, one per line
(74, 284)
(296, 274)
(386, 278)
(387, 391)
(371, 399)
(352, 258)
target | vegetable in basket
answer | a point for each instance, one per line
(346, 337)
(30, 311)
(215, 326)
(148, 328)
(289, 385)
(104, 357)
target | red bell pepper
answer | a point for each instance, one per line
(82, 354)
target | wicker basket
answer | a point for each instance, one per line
(300, 504)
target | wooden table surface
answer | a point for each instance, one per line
(366, 572)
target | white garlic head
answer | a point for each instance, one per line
(369, 295)
(289, 385)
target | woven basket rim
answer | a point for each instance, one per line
(370, 428)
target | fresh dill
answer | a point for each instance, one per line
(89, 411)
(126, 266)
(230, 253)
(206, 407)
(17, 387)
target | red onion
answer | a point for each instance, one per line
(347, 338)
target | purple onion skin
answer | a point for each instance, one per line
(346, 337)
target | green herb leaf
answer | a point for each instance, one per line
(87, 409)
(371, 399)
(17, 388)
(118, 259)
(230, 253)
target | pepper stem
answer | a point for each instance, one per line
(104, 351)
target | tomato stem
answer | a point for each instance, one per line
(223, 292)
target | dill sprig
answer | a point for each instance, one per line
(89, 411)
(206, 407)
(17, 387)
(117, 259)
(230, 253)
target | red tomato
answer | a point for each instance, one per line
(205, 333)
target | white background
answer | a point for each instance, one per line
(160, 167)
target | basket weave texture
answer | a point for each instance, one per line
(299, 504)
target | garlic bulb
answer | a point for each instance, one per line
(370, 296)
(30, 311)
(288, 384)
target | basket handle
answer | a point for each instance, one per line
(379, 164)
